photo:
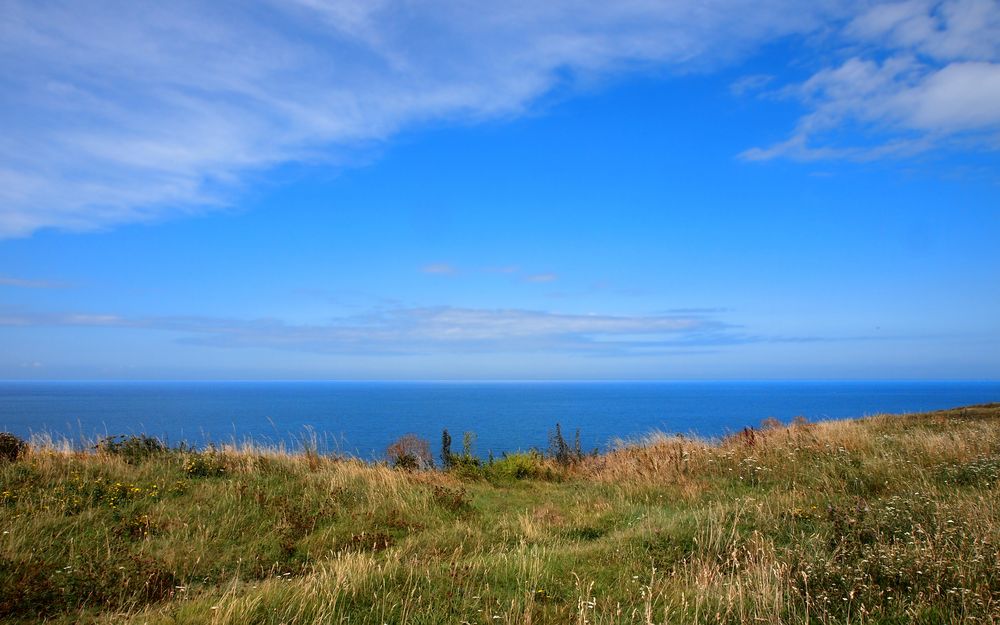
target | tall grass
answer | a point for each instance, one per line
(889, 519)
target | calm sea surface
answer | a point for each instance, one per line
(361, 418)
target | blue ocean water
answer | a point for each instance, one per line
(362, 418)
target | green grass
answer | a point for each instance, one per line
(889, 519)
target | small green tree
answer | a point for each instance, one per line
(446, 457)
(466, 461)
(468, 443)
(558, 447)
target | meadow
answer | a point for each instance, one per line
(885, 519)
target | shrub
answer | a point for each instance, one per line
(771, 423)
(466, 464)
(560, 450)
(77, 494)
(446, 457)
(11, 447)
(517, 466)
(452, 499)
(206, 464)
(137, 527)
(133, 449)
(410, 452)
(468, 448)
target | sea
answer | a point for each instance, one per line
(362, 418)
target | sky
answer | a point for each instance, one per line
(692, 189)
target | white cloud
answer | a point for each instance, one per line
(938, 83)
(119, 112)
(946, 31)
(427, 330)
(961, 96)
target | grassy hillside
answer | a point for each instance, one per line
(889, 519)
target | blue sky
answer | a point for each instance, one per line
(373, 190)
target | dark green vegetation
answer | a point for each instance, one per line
(882, 520)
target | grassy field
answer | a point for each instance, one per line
(888, 519)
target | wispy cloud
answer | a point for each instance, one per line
(750, 84)
(439, 269)
(449, 269)
(541, 277)
(115, 115)
(698, 311)
(931, 79)
(428, 330)
(31, 284)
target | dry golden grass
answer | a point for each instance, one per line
(880, 520)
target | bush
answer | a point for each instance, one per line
(206, 464)
(11, 447)
(466, 465)
(410, 452)
(452, 499)
(132, 449)
(771, 423)
(446, 456)
(518, 466)
(561, 451)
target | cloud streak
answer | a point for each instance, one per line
(23, 283)
(119, 114)
(541, 278)
(427, 330)
(931, 79)
(123, 113)
(439, 269)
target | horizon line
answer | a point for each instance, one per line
(488, 380)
